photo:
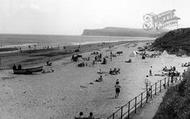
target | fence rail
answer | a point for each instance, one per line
(125, 111)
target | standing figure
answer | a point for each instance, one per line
(117, 89)
(80, 116)
(146, 82)
(19, 66)
(150, 72)
(14, 67)
(111, 54)
(149, 93)
(91, 116)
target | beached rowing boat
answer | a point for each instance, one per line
(28, 70)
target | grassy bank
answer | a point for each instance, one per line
(175, 42)
(176, 102)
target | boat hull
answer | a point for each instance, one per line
(28, 70)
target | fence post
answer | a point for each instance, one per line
(147, 95)
(135, 104)
(168, 81)
(128, 109)
(141, 98)
(151, 92)
(165, 83)
(155, 87)
(121, 112)
(113, 116)
(176, 79)
(160, 85)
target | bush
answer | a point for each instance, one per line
(176, 102)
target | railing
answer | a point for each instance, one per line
(125, 111)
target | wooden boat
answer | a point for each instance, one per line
(28, 70)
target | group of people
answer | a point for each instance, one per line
(81, 116)
(115, 71)
(15, 67)
(185, 64)
(100, 79)
(75, 58)
(98, 57)
(48, 68)
(172, 68)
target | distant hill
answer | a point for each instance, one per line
(174, 41)
(116, 31)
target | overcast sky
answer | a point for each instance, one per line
(72, 16)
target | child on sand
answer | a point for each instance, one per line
(117, 89)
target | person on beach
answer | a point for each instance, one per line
(117, 81)
(110, 72)
(80, 116)
(172, 76)
(19, 66)
(146, 82)
(148, 94)
(100, 71)
(118, 71)
(14, 67)
(117, 89)
(93, 62)
(150, 71)
(111, 54)
(91, 116)
(183, 74)
(100, 79)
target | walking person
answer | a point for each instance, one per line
(148, 94)
(117, 89)
(147, 83)
(150, 71)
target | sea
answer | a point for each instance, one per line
(10, 40)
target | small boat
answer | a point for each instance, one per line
(28, 70)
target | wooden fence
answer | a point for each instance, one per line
(125, 111)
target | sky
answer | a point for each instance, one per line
(71, 17)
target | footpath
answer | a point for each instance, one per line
(150, 109)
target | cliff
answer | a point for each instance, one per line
(116, 31)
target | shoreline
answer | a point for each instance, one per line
(40, 56)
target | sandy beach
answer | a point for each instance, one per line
(69, 90)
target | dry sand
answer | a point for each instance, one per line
(67, 91)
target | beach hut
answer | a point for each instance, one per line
(133, 54)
